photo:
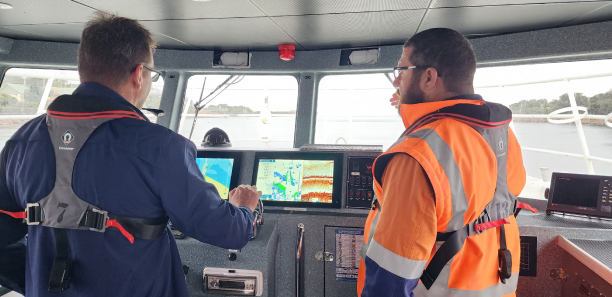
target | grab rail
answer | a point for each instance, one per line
(579, 156)
(298, 258)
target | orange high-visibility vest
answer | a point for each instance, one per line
(472, 160)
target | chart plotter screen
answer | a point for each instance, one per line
(217, 171)
(296, 180)
(576, 191)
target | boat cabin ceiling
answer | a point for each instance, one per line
(561, 255)
(310, 25)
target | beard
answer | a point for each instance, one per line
(414, 95)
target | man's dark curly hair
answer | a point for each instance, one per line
(111, 48)
(449, 53)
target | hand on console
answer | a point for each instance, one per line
(245, 195)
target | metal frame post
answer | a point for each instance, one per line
(581, 136)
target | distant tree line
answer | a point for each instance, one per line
(228, 109)
(600, 104)
(231, 109)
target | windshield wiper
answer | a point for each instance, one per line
(200, 104)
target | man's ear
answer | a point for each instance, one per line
(136, 77)
(429, 79)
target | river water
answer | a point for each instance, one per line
(247, 131)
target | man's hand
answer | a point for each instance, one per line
(395, 99)
(245, 195)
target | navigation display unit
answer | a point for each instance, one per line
(220, 169)
(299, 179)
(581, 194)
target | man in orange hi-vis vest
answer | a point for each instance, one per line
(443, 223)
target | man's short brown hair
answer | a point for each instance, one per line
(449, 53)
(111, 48)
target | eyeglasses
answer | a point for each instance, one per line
(396, 70)
(154, 73)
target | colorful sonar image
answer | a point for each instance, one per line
(296, 180)
(217, 172)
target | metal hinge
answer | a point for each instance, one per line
(324, 256)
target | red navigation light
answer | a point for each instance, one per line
(286, 52)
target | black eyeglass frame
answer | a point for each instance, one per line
(155, 77)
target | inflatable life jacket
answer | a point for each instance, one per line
(71, 119)
(424, 141)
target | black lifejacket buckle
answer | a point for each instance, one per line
(95, 220)
(34, 214)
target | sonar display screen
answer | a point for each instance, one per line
(296, 180)
(217, 171)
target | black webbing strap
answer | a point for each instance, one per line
(445, 253)
(504, 256)
(143, 228)
(139, 228)
(60, 276)
(502, 237)
(444, 236)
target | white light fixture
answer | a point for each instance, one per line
(200, 0)
(231, 59)
(359, 57)
(364, 57)
(5, 6)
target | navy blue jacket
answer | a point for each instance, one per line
(128, 167)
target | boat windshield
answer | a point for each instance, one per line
(355, 109)
(254, 110)
(26, 93)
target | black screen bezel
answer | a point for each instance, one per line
(338, 159)
(573, 208)
(237, 156)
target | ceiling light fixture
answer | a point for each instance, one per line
(200, 0)
(5, 6)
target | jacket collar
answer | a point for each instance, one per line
(410, 113)
(92, 89)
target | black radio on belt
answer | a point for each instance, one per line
(581, 194)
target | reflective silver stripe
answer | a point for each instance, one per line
(440, 288)
(364, 248)
(364, 251)
(398, 141)
(446, 159)
(394, 263)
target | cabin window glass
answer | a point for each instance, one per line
(355, 109)
(532, 92)
(254, 110)
(26, 93)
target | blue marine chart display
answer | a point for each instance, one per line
(218, 172)
(296, 180)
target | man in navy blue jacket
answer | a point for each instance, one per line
(128, 167)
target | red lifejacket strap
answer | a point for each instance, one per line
(114, 223)
(17, 215)
(94, 115)
(488, 225)
(522, 205)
